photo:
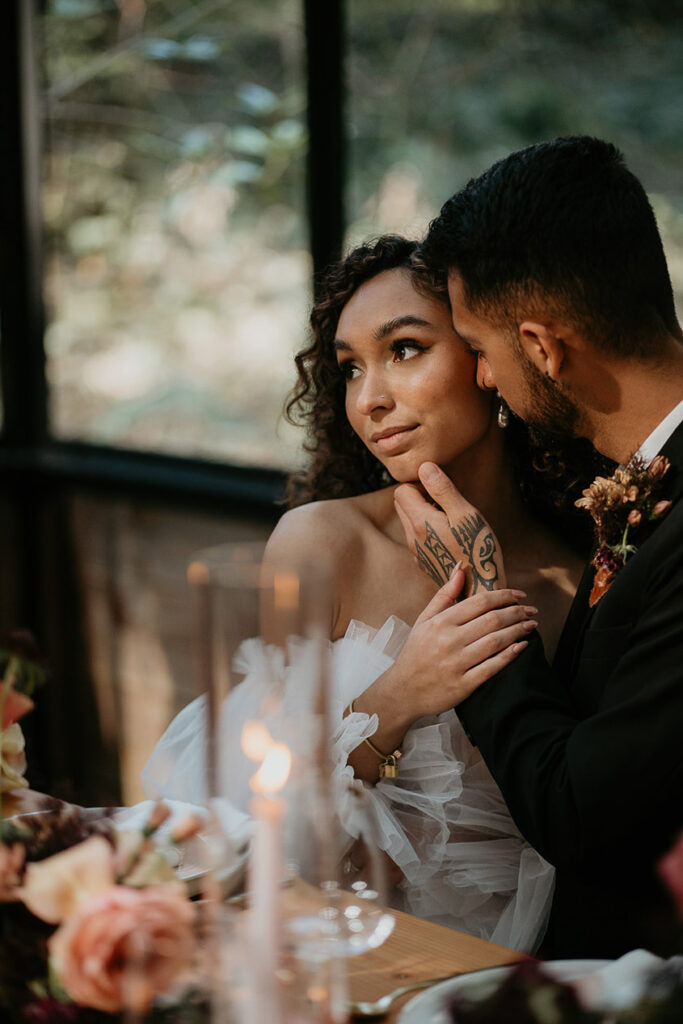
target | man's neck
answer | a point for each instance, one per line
(634, 399)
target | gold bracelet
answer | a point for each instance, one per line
(388, 768)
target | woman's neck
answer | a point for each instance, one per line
(485, 476)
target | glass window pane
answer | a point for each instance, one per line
(177, 271)
(440, 91)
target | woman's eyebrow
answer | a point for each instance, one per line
(384, 329)
(397, 323)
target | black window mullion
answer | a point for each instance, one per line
(25, 437)
(326, 145)
(21, 292)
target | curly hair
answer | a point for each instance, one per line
(341, 465)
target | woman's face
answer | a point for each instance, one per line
(411, 391)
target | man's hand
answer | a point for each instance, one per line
(452, 532)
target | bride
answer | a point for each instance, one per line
(386, 385)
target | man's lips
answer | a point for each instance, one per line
(391, 438)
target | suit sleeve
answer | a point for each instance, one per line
(577, 788)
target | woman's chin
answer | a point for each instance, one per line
(406, 473)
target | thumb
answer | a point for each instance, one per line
(446, 596)
(439, 486)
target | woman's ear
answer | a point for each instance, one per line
(485, 379)
(543, 345)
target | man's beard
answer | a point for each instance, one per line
(548, 407)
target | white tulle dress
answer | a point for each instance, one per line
(443, 820)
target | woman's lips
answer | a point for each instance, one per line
(391, 441)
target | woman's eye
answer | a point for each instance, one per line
(349, 370)
(406, 350)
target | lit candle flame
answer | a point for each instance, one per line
(274, 771)
(256, 741)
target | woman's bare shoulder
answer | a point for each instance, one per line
(335, 526)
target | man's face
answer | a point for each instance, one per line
(503, 364)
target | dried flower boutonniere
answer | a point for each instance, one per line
(625, 507)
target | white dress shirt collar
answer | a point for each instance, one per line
(653, 444)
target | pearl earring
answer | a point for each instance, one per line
(503, 412)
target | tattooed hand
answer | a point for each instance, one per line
(452, 532)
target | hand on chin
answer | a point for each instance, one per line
(443, 528)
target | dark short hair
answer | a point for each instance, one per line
(565, 226)
(550, 477)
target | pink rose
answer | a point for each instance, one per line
(123, 947)
(14, 704)
(58, 886)
(670, 870)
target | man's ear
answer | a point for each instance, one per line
(543, 345)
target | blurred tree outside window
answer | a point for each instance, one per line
(177, 276)
(178, 271)
(438, 91)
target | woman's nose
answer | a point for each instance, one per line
(374, 393)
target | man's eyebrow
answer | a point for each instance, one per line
(341, 346)
(464, 337)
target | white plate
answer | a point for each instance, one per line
(192, 868)
(430, 1007)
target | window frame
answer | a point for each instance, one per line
(26, 446)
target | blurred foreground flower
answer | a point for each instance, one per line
(123, 947)
(21, 673)
(671, 872)
(12, 759)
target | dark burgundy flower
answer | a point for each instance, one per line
(51, 1011)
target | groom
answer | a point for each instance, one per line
(558, 282)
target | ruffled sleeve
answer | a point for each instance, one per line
(442, 820)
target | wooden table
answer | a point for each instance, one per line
(417, 950)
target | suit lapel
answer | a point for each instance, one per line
(673, 450)
(578, 618)
(569, 647)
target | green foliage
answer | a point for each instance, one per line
(174, 199)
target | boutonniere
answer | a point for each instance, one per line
(625, 508)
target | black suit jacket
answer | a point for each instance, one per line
(589, 754)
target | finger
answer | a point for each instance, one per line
(411, 503)
(445, 597)
(474, 677)
(482, 603)
(495, 621)
(493, 643)
(441, 488)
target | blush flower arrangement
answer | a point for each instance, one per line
(94, 923)
(98, 929)
(21, 673)
(625, 507)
